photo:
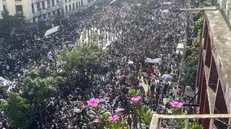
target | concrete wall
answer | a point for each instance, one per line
(225, 6)
(10, 6)
(27, 9)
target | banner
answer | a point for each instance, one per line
(156, 60)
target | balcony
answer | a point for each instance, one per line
(158, 121)
(35, 1)
(44, 11)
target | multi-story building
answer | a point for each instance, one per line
(38, 10)
(214, 71)
(72, 6)
(33, 10)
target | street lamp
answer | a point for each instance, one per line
(52, 49)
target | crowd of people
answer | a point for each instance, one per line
(135, 33)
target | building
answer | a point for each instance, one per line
(213, 82)
(72, 6)
(38, 10)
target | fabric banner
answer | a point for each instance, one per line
(156, 60)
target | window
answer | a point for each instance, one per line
(81, 2)
(58, 12)
(48, 3)
(49, 14)
(73, 6)
(66, 8)
(34, 20)
(53, 2)
(69, 6)
(77, 5)
(19, 10)
(65, 1)
(43, 5)
(44, 16)
(57, 1)
(38, 6)
(32, 6)
(53, 13)
(4, 7)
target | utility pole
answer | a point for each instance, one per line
(187, 12)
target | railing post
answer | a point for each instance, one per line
(211, 123)
(186, 123)
(159, 124)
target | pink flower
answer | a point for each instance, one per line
(96, 118)
(119, 110)
(139, 97)
(135, 99)
(93, 102)
(176, 104)
(114, 118)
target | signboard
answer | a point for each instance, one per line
(51, 31)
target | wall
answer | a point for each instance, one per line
(10, 6)
(226, 8)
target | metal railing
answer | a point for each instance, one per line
(157, 119)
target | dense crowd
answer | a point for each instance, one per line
(135, 35)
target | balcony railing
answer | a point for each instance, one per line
(157, 119)
(50, 9)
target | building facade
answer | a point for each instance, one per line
(38, 10)
(213, 82)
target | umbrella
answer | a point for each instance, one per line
(130, 62)
(167, 77)
(77, 110)
(173, 74)
(4, 82)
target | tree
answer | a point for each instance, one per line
(18, 110)
(82, 55)
(192, 53)
(38, 86)
(143, 112)
(6, 23)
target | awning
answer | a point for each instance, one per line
(51, 31)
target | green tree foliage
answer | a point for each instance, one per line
(80, 56)
(6, 23)
(195, 125)
(18, 111)
(38, 86)
(192, 53)
(132, 92)
(143, 112)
